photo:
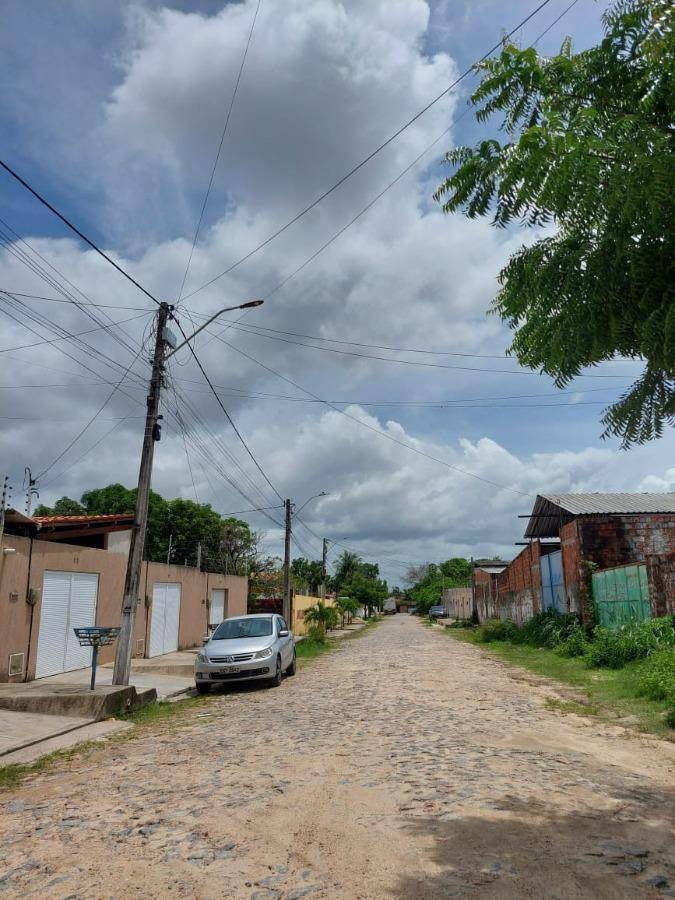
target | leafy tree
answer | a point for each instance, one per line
(346, 566)
(347, 607)
(370, 593)
(239, 547)
(428, 590)
(63, 507)
(307, 574)
(588, 152)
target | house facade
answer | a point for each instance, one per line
(48, 587)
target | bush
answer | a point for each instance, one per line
(575, 644)
(497, 630)
(316, 634)
(670, 716)
(635, 640)
(461, 623)
(550, 628)
(657, 676)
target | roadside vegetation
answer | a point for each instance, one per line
(628, 671)
(427, 582)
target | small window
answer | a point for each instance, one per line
(281, 625)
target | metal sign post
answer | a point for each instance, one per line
(95, 637)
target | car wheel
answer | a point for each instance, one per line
(203, 688)
(278, 675)
(291, 669)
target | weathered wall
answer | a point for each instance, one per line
(485, 589)
(24, 569)
(610, 541)
(458, 602)
(519, 586)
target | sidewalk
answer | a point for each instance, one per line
(40, 711)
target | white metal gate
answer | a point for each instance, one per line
(68, 602)
(165, 618)
(217, 606)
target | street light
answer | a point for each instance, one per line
(322, 494)
(249, 305)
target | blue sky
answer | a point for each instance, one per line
(114, 111)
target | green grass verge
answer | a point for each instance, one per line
(308, 649)
(611, 694)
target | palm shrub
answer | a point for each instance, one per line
(322, 616)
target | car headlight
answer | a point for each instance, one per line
(202, 657)
(263, 654)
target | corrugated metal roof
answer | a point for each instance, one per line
(550, 511)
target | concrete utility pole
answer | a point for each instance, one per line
(130, 602)
(168, 552)
(324, 561)
(287, 564)
(199, 556)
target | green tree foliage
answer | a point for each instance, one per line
(589, 155)
(307, 574)
(347, 608)
(428, 580)
(227, 545)
(360, 581)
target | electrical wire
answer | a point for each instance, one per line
(383, 434)
(76, 230)
(227, 415)
(220, 148)
(373, 153)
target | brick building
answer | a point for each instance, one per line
(573, 536)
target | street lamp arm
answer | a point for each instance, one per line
(249, 305)
(322, 494)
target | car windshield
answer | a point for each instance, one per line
(232, 629)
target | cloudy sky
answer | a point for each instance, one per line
(115, 112)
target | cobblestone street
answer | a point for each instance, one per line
(402, 765)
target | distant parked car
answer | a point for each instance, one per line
(412, 610)
(246, 648)
(437, 612)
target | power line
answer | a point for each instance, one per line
(220, 147)
(404, 362)
(383, 434)
(65, 300)
(227, 415)
(374, 152)
(76, 230)
(103, 327)
(91, 421)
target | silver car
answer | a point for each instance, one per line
(246, 648)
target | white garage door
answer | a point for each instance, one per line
(165, 618)
(217, 609)
(68, 602)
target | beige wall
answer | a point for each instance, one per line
(20, 622)
(301, 602)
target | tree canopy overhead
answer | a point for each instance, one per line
(589, 154)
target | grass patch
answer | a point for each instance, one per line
(613, 694)
(311, 647)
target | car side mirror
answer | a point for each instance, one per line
(205, 639)
(284, 632)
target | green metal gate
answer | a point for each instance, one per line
(621, 595)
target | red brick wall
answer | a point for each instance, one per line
(519, 585)
(610, 541)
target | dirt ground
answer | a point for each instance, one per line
(403, 765)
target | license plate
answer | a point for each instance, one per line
(229, 669)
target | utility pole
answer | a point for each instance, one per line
(152, 434)
(4, 503)
(168, 552)
(286, 610)
(324, 561)
(199, 556)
